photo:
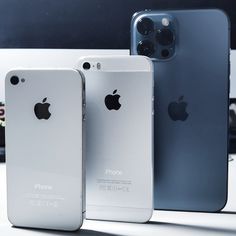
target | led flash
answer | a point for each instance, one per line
(165, 22)
(99, 66)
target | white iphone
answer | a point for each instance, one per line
(38, 58)
(119, 130)
(44, 148)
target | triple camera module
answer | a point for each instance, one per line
(157, 40)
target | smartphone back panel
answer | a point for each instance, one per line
(119, 174)
(44, 149)
(191, 107)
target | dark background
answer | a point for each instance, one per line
(84, 24)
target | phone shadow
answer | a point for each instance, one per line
(228, 212)
(154, 226)
(197, 229)
(81, 232)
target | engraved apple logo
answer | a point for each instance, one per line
(112, 101)
(41, 110)
(177, 110)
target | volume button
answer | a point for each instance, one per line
(229, 76)
(153, 110)
(84, 110)
(84, 113)
(84, 117)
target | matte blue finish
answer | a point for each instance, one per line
(191, 157)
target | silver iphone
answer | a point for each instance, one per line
(119, 121)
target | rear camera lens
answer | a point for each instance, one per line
(86, 66)
(14, 80)
(165, 37)
(165, 53)
(145, 26)
(145, 48)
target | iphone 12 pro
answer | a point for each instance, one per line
(190, 52)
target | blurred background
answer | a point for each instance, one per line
(87, 24)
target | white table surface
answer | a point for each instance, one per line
(162, 223)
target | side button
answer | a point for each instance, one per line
(153, 110)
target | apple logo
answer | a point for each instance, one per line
(112, 101)
(41, 110)
(177, 110)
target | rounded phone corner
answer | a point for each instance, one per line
(150, 63)
(224, 15)
(78, 75)
(223, 205)
(76, 227)
(78, 64)
(11, 219)
(135, 15)
(138, 14)
(146, 62)
(72, 227)
(149, 216)
(9, 74)
(219, 207)
(226, 195)
(145, 216)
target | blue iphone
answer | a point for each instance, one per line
(190, 51)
